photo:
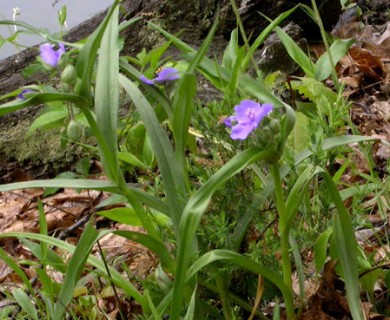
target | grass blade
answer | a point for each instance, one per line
(15, 267)
(183, 102)
(76, 265)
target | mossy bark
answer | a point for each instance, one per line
(192, 18)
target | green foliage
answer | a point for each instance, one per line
(338, 49)
(24, 301)
(212, 208)
(296, 53)
(62, 15)
(316, 91)
(321, 249)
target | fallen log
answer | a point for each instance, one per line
(194, 18)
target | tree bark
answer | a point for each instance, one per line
(192, 18)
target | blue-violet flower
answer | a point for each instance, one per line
(22, 95)
(248, 116)
(162, 76)
(51, 56)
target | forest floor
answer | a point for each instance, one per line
(366, 74)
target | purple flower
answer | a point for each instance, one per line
(162, 76)
(51, 56)
(248, 116)
(22, 96)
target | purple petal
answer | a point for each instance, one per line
(266, 108)
(241, 131)
(61, 50)
(146, 80)
(247, 111)
(229, 121)
(167, 74)
(24, 91)
(51, 56)
(248, 116)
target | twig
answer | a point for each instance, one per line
(111, 282)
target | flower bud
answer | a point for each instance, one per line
(274, 126)
(75, 130)
(69, 74)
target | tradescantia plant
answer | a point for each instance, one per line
(184, 203)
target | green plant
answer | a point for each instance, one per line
(160, 135)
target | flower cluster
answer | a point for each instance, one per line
(162, 76)
(248, 116)
(50, 56)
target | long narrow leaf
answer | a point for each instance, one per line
(347, 250)
(29, 27)
(174, 182)
(191, 307)
(296, 53)
(151, 201)
(297, 193)
(264, 34)
(49, 258)
(338, 49)
(107, 95)
(62, 183)
(183, 102)
(41, 98)
(75, 267)
(183, 106)
(24, 301)
(230, 53)
(16, 268)
(87, 56)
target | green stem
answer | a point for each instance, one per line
(117, 176)
(326, 43)
(223, 293)
(284, 235)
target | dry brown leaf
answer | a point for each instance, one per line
(20, 211)
(352, 81)
(366, 62)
